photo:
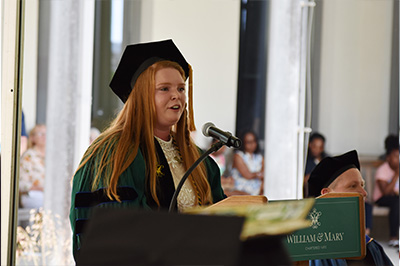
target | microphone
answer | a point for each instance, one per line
(210, 130)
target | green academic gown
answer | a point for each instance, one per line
(132, 189)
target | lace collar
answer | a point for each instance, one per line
(166, 145)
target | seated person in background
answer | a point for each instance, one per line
(386, 190)
(32, 169)
(248, 166)
(316, 152)
(342, 174)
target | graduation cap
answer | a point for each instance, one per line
(329, 169)
(138, 57)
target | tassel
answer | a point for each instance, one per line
(192, 127)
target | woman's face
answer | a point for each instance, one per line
(393, 159)
(170, 97)
(250, 143)
(317, 147)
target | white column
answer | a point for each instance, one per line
(68, 106)
(29, 82)
(10, 126)
(355, 75)
(285, 100)
(209, 40)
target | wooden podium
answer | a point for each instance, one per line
(240, 201)
(137, 237)
(133, 237)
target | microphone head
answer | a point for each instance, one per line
(205, 128)
(237, 143)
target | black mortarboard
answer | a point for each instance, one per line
(329, 169)
(137, 58)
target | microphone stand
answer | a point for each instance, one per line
(213, 148)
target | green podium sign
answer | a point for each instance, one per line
(337, 231)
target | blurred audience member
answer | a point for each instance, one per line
(248, 166)
(316, 152)
(386, 190)
(32, 169)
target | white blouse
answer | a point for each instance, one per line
(187, 195)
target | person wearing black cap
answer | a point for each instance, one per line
(337, 174)
(140, 159)
(386, 189)
(342, 174)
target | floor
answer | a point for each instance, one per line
(393, 253)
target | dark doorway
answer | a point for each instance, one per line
(252, 68)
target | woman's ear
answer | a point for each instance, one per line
(325, 190)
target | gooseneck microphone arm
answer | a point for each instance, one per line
(174, 199)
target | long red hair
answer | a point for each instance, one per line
(132, 129)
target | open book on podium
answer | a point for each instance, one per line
(240, 230)
(274, 218)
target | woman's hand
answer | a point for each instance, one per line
(388, 188)
(259, 175)
(239, 164)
